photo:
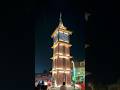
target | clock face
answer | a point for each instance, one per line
(63, 37)
(66, 38)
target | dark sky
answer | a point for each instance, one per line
(29, 30)
(103, 35)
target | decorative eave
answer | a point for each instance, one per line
(62, 30)
(61, 56)
(54, 33)
(61, 42)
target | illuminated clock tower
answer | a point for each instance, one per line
(61, 68)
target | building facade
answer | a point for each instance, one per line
(61, 68)
(79, 71)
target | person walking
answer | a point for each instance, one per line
(49, 87)
(38, 87)
(42, 86)
(63, 87)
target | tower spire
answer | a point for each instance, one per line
(60, 19)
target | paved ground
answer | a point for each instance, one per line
(68, 88)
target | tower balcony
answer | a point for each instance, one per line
(66, 69)
(61, 43)
(61, 56)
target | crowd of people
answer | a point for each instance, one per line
(41, 86)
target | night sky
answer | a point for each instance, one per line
(30, 29)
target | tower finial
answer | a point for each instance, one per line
(60, 17)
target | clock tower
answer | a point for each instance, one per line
(61, 66)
